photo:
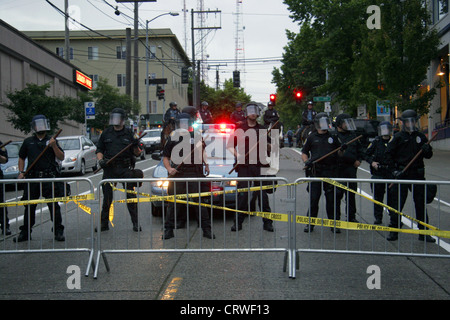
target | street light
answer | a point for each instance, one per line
(147, 52)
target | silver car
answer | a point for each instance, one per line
(79, 154)
(11, 168)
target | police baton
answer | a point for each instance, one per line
(42, 153)
(415, 157)
(5, 144)
(119, 153)
(257, 143)
(335, 150)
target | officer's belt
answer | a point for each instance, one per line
(42, 174)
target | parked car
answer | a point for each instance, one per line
(11, 168)
(79, 154)
(152, 140)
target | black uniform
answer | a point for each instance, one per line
(188, 169)
(316, 146)
(399, 152)
(206, 116)
(110, 143)
(346, 169)
(171, 115)
(4, 221)
(250, 169)
(238, 116)
(376, 153)
(45, 167)
(270, 116)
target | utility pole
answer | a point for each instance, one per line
(67, 41)
(195, 76)
(128, 63)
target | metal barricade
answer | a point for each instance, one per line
(363, 236)
(61, 222)
(220, 200)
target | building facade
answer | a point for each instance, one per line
(438, 72)
(103, 54)
(23, 61)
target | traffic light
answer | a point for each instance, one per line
(160, 92)
(184, 75)
(236, 79)
(298, 96)
(273, 98)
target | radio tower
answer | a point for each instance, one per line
(239, 55)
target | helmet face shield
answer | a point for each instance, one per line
(322, 123)
(385, 130)
(348, 124)
(252, 109)
(409, 125)
(183, 124)
(40, 124)
(116, 119)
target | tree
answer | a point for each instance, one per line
(33, 100)
(106, 98)
(363, 65)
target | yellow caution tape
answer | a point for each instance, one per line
(83, 197)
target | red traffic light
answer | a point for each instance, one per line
(273, 97)
(298, 94)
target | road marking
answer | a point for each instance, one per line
(172, 289)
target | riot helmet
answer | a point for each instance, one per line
(40, 123)
(173, 104)
(385, 128)
(185, 119)
(321, 121)
(117, 117)
(252, 108)
(409, 121)
(345, 122)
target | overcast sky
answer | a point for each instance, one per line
(264, 36)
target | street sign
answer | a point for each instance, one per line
(322, 99)
(90, 110)
(383, 108)
(157, 81)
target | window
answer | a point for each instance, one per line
(440, 9)
(60, 52)
(94, 78)
(121, 52)
(152, 52)
(121, 80)
(93, 53)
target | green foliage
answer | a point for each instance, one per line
(363, 65)
(33, 100)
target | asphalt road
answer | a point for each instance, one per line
(235, 277)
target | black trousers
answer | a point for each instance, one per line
(347, 171)
(119, 173)
(4, 221)
(35, 191)
(178, 211)
(330, 191)
(398, 194)
(243, 199)
(379, 190)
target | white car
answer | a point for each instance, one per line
(152, 140)
(79, 154)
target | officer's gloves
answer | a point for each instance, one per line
(103, 163)
(309, 164)
(397, 174)
(344, 146)
(426, 148)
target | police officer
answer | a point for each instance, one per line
(238, 115)
(205, 113)
(4, 222)
(318, 144)
(246, 167)
(349, 162)
(45, 167)
(270, 115)
(171, 113)
(375, 156)
(113, 140)
(182, 165)
(402, 148)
